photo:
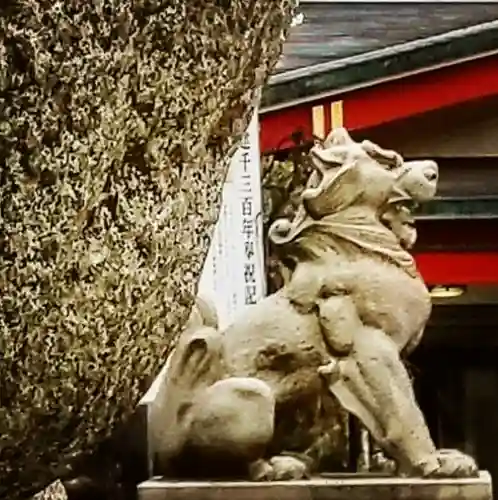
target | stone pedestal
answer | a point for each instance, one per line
(332, 487)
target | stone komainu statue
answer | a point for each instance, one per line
(253, 399)
(117, 119)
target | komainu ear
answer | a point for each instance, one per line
(338, 137)
(195, 353)
(337, 149)
(208, 311)
(385, 156)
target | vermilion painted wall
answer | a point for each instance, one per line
(386, 102)
(458, 268)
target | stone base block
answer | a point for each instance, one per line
(331, 487)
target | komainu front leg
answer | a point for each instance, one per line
(373, 384)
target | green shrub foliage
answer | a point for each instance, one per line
(117, 118)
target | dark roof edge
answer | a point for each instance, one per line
(305, 83)
(362, 84)
(398, 49)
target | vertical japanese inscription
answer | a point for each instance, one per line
(234, 270)
(248, 224)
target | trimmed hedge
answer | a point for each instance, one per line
(117, 121)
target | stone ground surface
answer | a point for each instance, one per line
(330, 488)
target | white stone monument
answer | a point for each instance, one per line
(234, 271)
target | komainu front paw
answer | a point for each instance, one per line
(453, 463)
(261, 470)
(289, 468)
(279, 468)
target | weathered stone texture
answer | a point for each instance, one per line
(116, 122)
(332, 488)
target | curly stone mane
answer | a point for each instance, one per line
(333, 214)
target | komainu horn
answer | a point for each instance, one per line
(252, 399)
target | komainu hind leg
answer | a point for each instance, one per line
(211, 425)
(234, 417)
(195, 364)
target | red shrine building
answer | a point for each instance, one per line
(420, 78)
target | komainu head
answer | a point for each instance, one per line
(359, 179)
